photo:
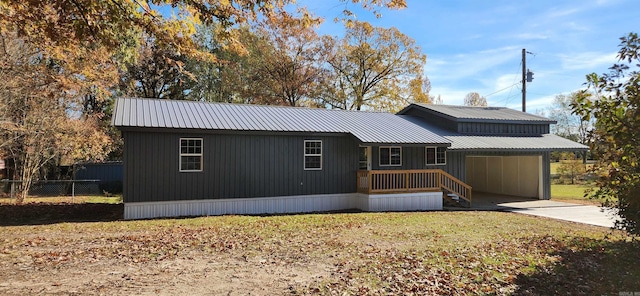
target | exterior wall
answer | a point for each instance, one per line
(285, 204)
(502, 128)
(235, 166)
(413, 158)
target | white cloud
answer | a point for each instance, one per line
(539, 103)
(449, 96)
(456, 67)
(586, 60)
(529, 36)
(555, 13)
(504, 82)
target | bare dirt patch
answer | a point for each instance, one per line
(212, 275)
(34, 213)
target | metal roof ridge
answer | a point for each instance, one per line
(462, 106)
(253, 105)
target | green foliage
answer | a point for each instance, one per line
(571, 168)
(615, 139)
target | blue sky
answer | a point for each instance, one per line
(477, 45)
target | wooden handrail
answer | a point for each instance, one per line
(462, 193)
(390, 181)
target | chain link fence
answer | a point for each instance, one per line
(50, 188)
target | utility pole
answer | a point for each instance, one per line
(524, 80)
(527, 76)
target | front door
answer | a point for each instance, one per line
(365, 158)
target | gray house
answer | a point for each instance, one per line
(185, 158)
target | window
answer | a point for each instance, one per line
(364, 161)
(436, 155)
(390, 156)
(312, 155)
(190, 154)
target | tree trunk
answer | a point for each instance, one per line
(29, 170)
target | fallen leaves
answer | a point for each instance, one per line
(361, 254)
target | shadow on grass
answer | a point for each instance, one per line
(48, 213)
(587, 267)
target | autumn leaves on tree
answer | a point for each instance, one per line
(612, 102)
(63, 63)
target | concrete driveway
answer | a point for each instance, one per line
(586, 214)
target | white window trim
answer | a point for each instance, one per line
(304, 159)
(390, 164)
(369, 157)
(435, 148)
(190, 154)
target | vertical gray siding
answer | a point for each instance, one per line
(414, 158)
(502, 128)
(235, 166)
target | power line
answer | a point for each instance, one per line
(495, 92)
(514, 83)
(511, 96)
(515, 77)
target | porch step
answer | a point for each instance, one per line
(453, 200)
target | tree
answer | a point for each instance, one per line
(228, 78)
(474, 99)
(571, 167)
(569, 125)
(373, 67)
(613, 99)
(40, 113)
(157, 73)
(69, 54)
(291, 70)
(67, 31)
(438, 100)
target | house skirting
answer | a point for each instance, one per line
(422, 201)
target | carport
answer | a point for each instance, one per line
(519, 175)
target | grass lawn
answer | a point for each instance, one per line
(447, 253)
(572, 193)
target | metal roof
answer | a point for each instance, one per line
(368, 127)
(546, 142)
(481, 114)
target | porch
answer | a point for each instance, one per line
(411, 181)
